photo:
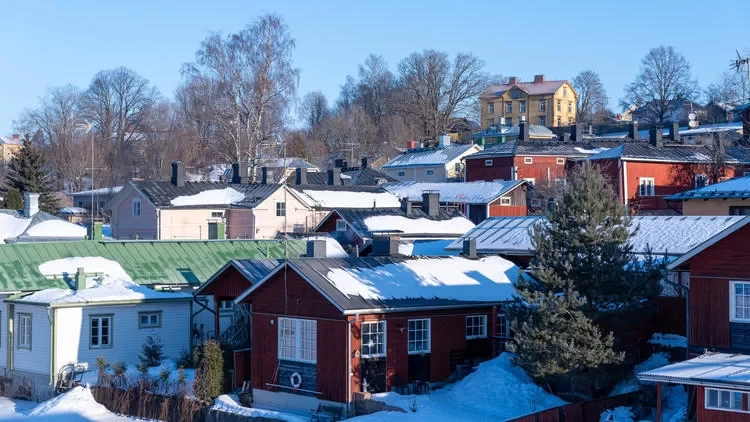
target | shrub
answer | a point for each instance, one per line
(209, 377)
(153, 352)
(186, 359)
(119, 368)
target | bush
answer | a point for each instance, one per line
(209, 377)
(153, 352)
(186, 359)
(119, 368)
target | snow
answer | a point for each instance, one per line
(458, 278)
(425, 247)
(73, 211)
(467, 192)
(76, 405)
(12, 226)
(619, 414)
(432, 156)
(224, 196)
(456, 225)
(333, 247)
(230, 403)
(100, 191)
(106, 290)
(90, 264)
(349, 199)
(668, 340)
(590, 151)
(630, 384)
(57, 229)
(132, 375)
(497, 390)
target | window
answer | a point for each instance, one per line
(508, 107)
(490, 122)
(101, 332)
(531, 180)
(739, 301)
(528, 160)
(149, 319)
(560, 160)
(491, 108)
(298, 339)
(419, 336)
(487, 163)
(516, 93)
(217, 214)
(24, 331)
(429, 172)
(559, 121)
(542, 121)
(522, 106)
(401, 173)
(476, 326)
(739, 210)
(503, 325)
(701, 180)
(373, 339)
(542, 105)
(570, 107)
(509, 121)
(724, 399)
(225, 305)
(340, 225)
(80, 204)
(505, 201)
(280, 209)
(136, 207)
(646, 186)
(559, 105)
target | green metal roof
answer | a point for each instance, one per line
(147, 262)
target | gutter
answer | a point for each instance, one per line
(51, 318)
(690, 381)
(423, 308)
(108, 303)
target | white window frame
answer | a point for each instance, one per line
(409, 342)
(491, 107)
(153, 319)
(488, 163)
(543, 120)
(560, 161)
(25, 330)
(733, 301)
(509, 121)
(646, 189)
(340, 225)
(476, 322)
(542, 106)
(280, 209)
(522, 106)
(226, 305)
(528, 160)
(505, 201)
(701, 176)
(429, 172)
(732, 400)
(401, 173)
(135, 207)
(508, 107)
(381, 329)
(531, 180)
(559, 106)
(99, 336)
(503, 325)
(217, 214)
(304, 347)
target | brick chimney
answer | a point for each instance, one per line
(513, 80)
(538, 79)
(576, 133)
(365, 162)
(334, 176)
(469, 248)
(239, 173)
(655, 138)
(178, 174)
(385, 244)
(406, 206)
(316, 249)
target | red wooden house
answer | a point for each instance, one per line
(719, 327)
(325, 328)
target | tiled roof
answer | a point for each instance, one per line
(738, 188)
(430, 156)
(556, 148)
(531, 88)
(468, 192)
(161, 193)
(674, 153)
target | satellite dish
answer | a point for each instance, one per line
(693, 124)
(691, 116)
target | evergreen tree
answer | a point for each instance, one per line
(13, 200)
(27, 173)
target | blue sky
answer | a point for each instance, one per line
(54, 42)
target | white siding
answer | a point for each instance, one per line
(73, 343)
(4, 334)
(37, 359)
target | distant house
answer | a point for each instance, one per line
(100, 198)
(279, 168)
(9, 146)
(729, 197)
(109, 318)
(32, 225)
(477, 200)
(504, 133)
(542, 102)
(718, 340)
(435, 164)
(324, 328)
(341, 174)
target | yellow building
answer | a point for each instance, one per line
(9, 146)
(545, 103)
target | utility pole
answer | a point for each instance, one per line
(737, 65)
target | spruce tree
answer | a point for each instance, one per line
(27, 173)
(13, 200)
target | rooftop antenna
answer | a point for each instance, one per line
(738, 63)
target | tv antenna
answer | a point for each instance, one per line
(738, 63)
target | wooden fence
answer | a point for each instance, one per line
(587, 411)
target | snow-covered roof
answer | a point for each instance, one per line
(733, 188)
(535, 131)
(329, 197)
(73, 211)
(100, 291)
(418, 226)
(431, 156)
(100, 191)
(9, 140)
(425, 247)
(15, 227)
(202, 194)
(717, 369)
(92, 265)
(675, 235)
(469, 192)
(223, 197)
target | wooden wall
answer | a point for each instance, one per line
(501, 169)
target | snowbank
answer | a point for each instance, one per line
(90, 265)
(619, 414)
(132, 375)
(76, 405)
(230, 403)
(456, 225)
(224, 196)
(497, 390)
(107, 290)
(333, 247)
(12, 226)
(668, 340)
(57, 229)
(630, 384)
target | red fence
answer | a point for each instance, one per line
(587, 411)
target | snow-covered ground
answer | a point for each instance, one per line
(230, 403)
(668, 340)
(76, 405)
(497, 390)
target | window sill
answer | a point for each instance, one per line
(475, 337)
(312, 362)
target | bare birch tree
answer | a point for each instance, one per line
(592, 97)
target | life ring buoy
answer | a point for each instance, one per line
(296, 380)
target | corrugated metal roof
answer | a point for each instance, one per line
(732, 188)
(556, 148)
(710, 368)
(356, 217)
(468, 192)
(673, 153)
(430, 156)
(675, 235)
(161, 193)
(146, 262)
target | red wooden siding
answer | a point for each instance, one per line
(242, 362)
(501, 169)
(332, 360)
(710, 415)
(542, 169)
(508, 211)
(229, 284)
(301, 299)
(329, 224)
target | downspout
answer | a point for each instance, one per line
(50, 317)
(158, 223)
(349, 323)
(625, 181)
(10, 343)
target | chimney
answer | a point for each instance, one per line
(431, 203)
(178, 173)
(239, 173)
(266, 175)
(469, 248)
(406, 206)
(365, 162)
(95, 231)
(538, 79)
(339, 163)
(316, 248)
(80, 280)
(513, 80)
(633, 131)
(523, 131)
(30, 204)
(674, 132)
(300, 176)
(385, 244)
(654, 137)
(334, 176)
(444, 140)
(576, 133)
(566, 137)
